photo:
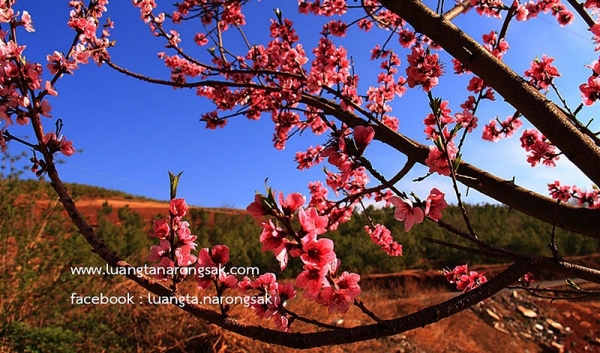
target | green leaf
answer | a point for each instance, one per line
(572, 284)
(174, 181)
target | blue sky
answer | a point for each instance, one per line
(132, 133)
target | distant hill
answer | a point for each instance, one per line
(117, 214)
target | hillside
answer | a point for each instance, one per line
(39, 247)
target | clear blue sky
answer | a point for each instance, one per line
(132, 133)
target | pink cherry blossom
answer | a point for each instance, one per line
(437, 160)
(312, 278)
(161, 228)
(66, 147)
(184, 235)
(274, 238)
(507, 128)
(435, 204)
(184, 256)
(158, 251)
(217, 255)
(528, 279)
(257, 208)
(311, 221)
(339, 296)
(201, 39)
(539, 148)
(164, 267)
(178, 207)
(405, 211)
(560, 192)
(424, 69)
(363, 135)
(541, 73)
(382, 237)
(291, 203)
(309, 158)
(590, 91)
(317, 252)
(464, 279)
(27, 22)
(467, 120)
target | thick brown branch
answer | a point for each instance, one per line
(540, 111)
(576, 219)
(582, 12)
(386, 327)
(457, 10)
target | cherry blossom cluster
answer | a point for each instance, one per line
(412, 213)
(507, 128)
(436, 129)
(497, 47)
(323, 7)
(86, 22)
(424, 69)
(175, 254)
(539, 148)
(489, 8)
(590, 91)
(320, 263)
(541, 73)
(228, 12)
(278, 78)
(531, 9)
(344, 151)
(464, 279)
(378, 98)
(23, 92)
(565, 193)
(176, 241)
(266, 285)
(444, 151)
(382, 237)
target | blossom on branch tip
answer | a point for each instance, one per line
(424, 69)
(464, 279)
(382, 237)
(66, 148)
(541, 73)
(27, 22)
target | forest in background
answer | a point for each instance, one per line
(496, 224)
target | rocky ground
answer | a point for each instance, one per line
(557, 327)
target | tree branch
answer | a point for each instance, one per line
(580, 220)
(540, 111)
